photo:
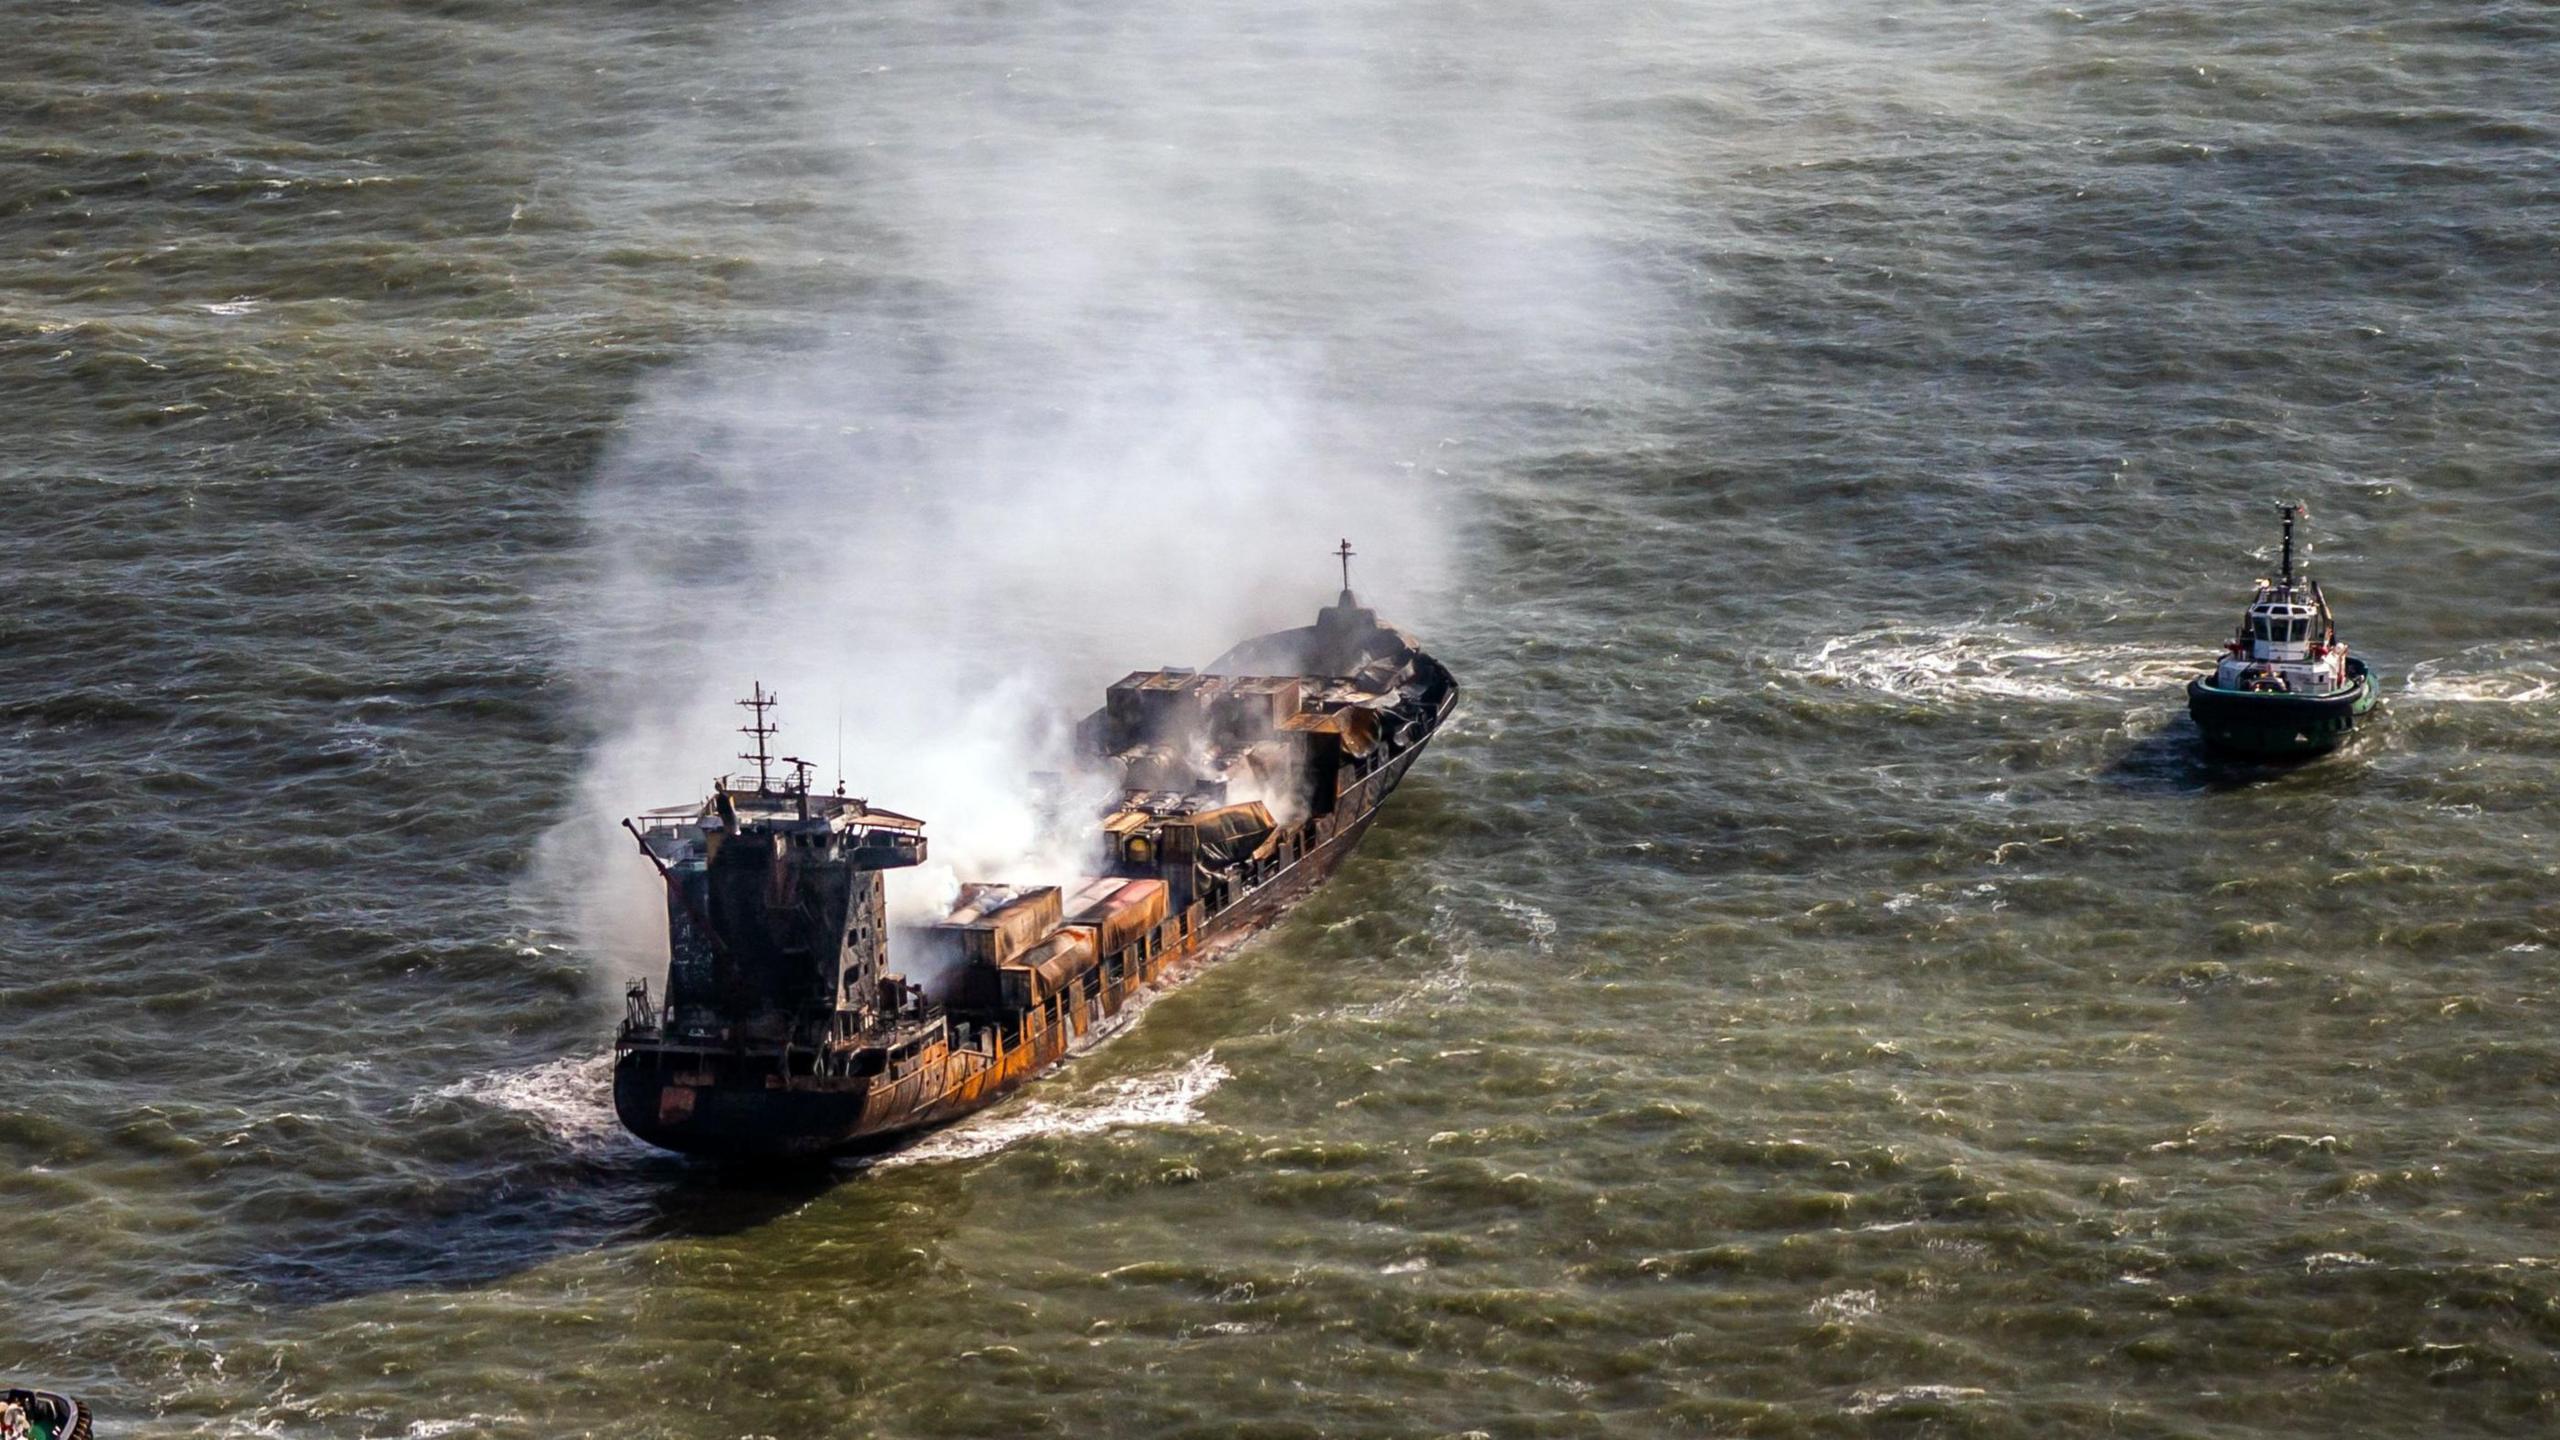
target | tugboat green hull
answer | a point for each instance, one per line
(45, 1415)
(2279, 725)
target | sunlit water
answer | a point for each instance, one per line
(1815, 988)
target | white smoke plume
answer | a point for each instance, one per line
(1156, 303)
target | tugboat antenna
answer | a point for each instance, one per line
(1344, 552)
(763, 731)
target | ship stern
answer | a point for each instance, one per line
(700, 1112)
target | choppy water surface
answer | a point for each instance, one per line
(1815, 989)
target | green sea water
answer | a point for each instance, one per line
(1815, 988)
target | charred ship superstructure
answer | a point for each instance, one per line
(783, 1031)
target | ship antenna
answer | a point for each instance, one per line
(763, 731)
(839, 749)
(1344, 552)
(800, 781)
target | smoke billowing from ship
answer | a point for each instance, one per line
(1148, 309)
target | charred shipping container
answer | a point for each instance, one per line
(783, 1031)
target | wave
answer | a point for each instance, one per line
(432, 1429)
(2503, 673)
(2009, 662)
(2004, 662)
(1911, 1397)
(1163, 1098)
(570, 1098)
(1540, 925)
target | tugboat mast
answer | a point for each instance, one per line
(764, 730)
(2292, 512)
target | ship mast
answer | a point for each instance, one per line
(1344, 552)
(2291, 513)
(763, 731)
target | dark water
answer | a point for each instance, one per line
(1815, 990)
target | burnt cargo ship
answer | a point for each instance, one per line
(784, 1031)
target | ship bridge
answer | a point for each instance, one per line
(879, 839)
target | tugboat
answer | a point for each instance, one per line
(784, 1031)
(42, 1415)
(2284, 687)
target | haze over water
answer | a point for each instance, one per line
(1815, 989)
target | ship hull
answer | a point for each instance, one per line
(2276, 726)
(672, 1098)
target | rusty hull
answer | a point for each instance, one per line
(777, 1069)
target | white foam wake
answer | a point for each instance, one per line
(1164, 1098)
(1877, 1402)
(2500, 674)
(571, 1098)
(1998, 661)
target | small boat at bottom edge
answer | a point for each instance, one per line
(41, 1415)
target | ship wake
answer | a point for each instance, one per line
(1997, 662)
(1160, 1099)
(569, 1099)
(2499, 674)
